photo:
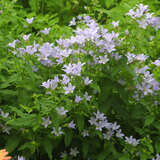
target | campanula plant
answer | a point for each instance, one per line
(89, 93)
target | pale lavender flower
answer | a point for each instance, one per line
(156, 62)
(119, 134)
(108, 135)
(115, 126)
(26, 37)
(99, 116)
(74, 152)
(79, 17)
(157, 157)
(29, 20)
(87, 96)
(142, 23)
(69, 88)
(53, 83)
(92, 121)
(78, 99)
(74, 69)
(72, 125)
(21, 158)
(63, 154)
(115, 24)
(85, 133)
(13, 44)
(46, 122)
(45, 31)
(57, 132)
(61, 111)
(131, 140)
(65, 79)
(126, 32)
(103, 59)
(87, 81)
(4, 115)
(72, 22)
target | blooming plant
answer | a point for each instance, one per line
(90, 94)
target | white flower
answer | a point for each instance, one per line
(46, 122)
(131, 141)
(63, 154)
(74, 152)
(119, 133)
(61, 111)
(57, 132)
(85, 133)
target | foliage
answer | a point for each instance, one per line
(88, 89)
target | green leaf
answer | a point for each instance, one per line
(27, 121)
(68, 137)
(124, 157)
(149, 120)
(48, 146)
(85, 149)
(12, 143)
(80, 122)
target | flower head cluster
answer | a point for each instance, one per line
(157, 157)
(52, 84)
(101, 123)
(143, 17)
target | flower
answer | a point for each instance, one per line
(45, 31)
(72, 22)
(87, 81)
(74, 152)
(85, 133)
(78, 99)
(46, 122)
(87, 96)
(115, 24)
(29, 20)
(69, 88)
(26, 37)
(131, 141)
(61, 111)
(72, 125)
(63, 154)
(21, 158)
(57, 132)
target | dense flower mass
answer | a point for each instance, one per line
(85, 88)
